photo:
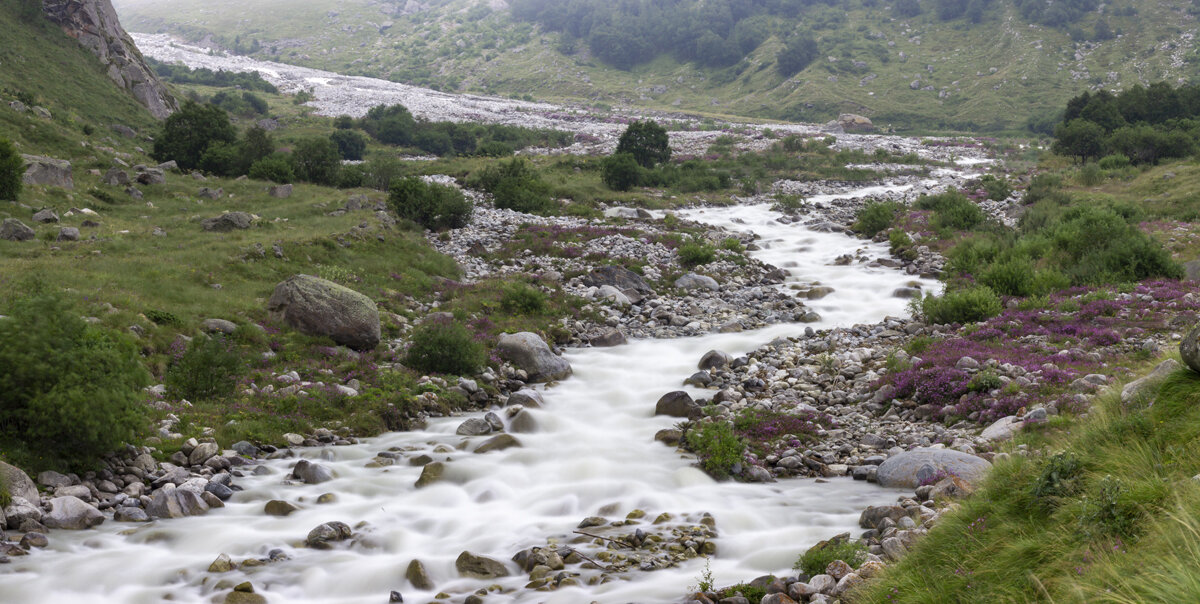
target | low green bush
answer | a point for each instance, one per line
(1114, 162)
(620, 172)
(209, 369)
(962, 306)
(717, 447)
(900, 244)
(518, 298)
(1090, 175)
(514, 185)
(875, 217)
(69, 391)
(695, 253)
(997, 189)
(952, 210)
(817, 558)
(430, 205)
(445, 346)
(12, 169)
(276, 168)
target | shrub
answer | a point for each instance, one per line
(518, 298)
(208, 369)
(900, 244)
(528, 196)
(817, 558)
(1109, 511)
(187, 133)
(1090, 175)
(68, 389)
(952, 210)
(1115, 161)
(276, 168)
(1012, 277)
(789, 203)
(647, 142)
(350, 144)
(717, 447)
(695, 253)
(962, 306)
(875, 217)
(1059, 479)
(12, 169)
(162, 317)
(316, 160)
(997, 189)
(620, 172)
(732, 244)
(430, 205)
(444, 346)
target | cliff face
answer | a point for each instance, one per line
(94, 23)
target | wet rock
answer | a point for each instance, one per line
(311, 473)
(523, 423)
(475, 426)
(669, 436)
(610, 337)
(277, 507)
(677, 404)
(418, 576)
(323, 308)
(714, 359)
(431, 473)
(909, 469)
(497, 443)
(526, 397)
(243, 593)
(71, 513)
(620, 278)
(202, 453)
(325, 535)
(34, 539)
(221, 565)
(131, 514)
(480, 567)
(528, 352)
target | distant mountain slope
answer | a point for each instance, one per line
(938, 69)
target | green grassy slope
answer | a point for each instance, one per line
(992, 75)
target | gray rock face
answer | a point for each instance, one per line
(19, 483)
(1136, 388)
(324, 308)
(693, 281)
(94, 23)
(526, 397)
(618, 277)
(528, 352)
(41, 170)
(610, 337)
(227, 222)
(1189, 349)
(280, 191)
(1002, 429)
(910, 468)
(71, 513)
(855, 123)
(115, 177)
(45, 216)
(15, 230)
(481, 567)
(475, 426)
(677, 404)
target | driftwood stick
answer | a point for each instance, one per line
(614, 541)
(581, 555)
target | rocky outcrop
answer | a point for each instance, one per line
(324, 308)
(47, 171)
(94, 23)
(529, 353)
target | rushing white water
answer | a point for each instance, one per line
(594, 454)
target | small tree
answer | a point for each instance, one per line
(187, 133)
(429, 205)
(350, 143)
(620, 172)
(316, 160)
(647, 142)
(12, 168)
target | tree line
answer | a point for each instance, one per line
(1142, 123)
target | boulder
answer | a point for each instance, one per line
(1002, 429)
(219, 326)
(618, 277)
(311, 473)
(418, 576)
(609, 293)
(280, 191)
(278, 507)
(71, 513)
(323, 536)
(692, 281)
(116, 177)
(431, 473)
(45, 216)
(152, 176)
(480, 567)
(851, 122)
(1189, 349)
(610, 337)
(527, 398)
(528, 352)
(677, 404)
(714, 359)
(910, 468)
(475, 426)
(67, 234)
(324, 308)
(41, 170)
(523, 422)
(15, 230)
(18, 482)
(202, 452)
(497, 443)
(229, 221)
(1136, 388)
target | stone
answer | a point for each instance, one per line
(222, 564)
(18, 482)
(608, 338)
(67, 234)
(151, 176)
(847, 583)
(1143, 385)
(714, 359)
(278, 507)
(497, 443)
(71, 513)
(910, 468)
(417, 576)
(620, 278)
(219, 326)
(431, 473)
(21, 511)
(893, 548)
(838, 569)
(209, 193)
(1002, 429)
(324, 535)
(677, 404)
(15, 230)
(311, 473)
(614, 295)
(530, 353)
(202, 452)
(243, 593)
(523, 422)
(34, 539)
(951, 487)
(851, 122)
(777, 598)
(475, 426)
(526, 397)
(45, 216)
(479, 567)
(280, 191)
(323, 308)
(692, 281)
(47, 171)
(191, 503)
(131, 514)
(228, 221)
(822, 584)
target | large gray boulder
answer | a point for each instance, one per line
(910, 468)
(528, 352)
(1189, 349)
(677, 404)
(851, 122)
(324, 308)
(18, 482)
(621, 278)
(228, 222)
(41, 170)
(481, 567)
(71, 513)
(694, 281)
(15, 230)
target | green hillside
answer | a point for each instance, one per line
(911, 72)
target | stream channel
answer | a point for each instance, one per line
(593, 454)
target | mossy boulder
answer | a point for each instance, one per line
(324, 308)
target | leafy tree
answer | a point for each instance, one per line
(350, 144)
(799, 51)
(620, 172)
(12, 169)
(430, 205)
(256, 144)
(647, 142)
(209, 369)
(275, 168)
(906, 8)
(1079, 138)
(316, 160)
(187, 133)
(390, 124)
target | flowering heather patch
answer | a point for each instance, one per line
(1054, 346)
(760, 427)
